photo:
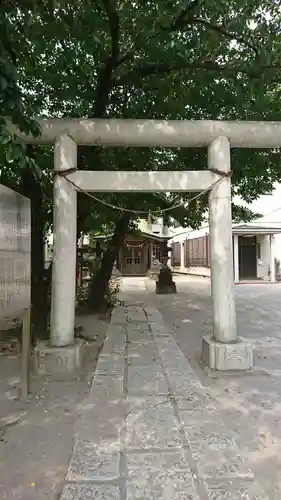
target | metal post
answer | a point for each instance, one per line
(236, 257)
(26, 342)
(224, 315)
(64, 255)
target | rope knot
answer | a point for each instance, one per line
(219, 172)
(63, 173)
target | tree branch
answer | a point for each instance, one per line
(180, 19)
(222, 31)
(106, 72)
(164, 68)
(183, 19)
(110, 7)
(181, 22)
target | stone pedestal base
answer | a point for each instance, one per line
(58, 360)
(165, 283)
(171, 288)
(218, 356)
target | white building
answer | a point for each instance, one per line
(256, 245)
(254, 257)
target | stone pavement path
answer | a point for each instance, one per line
(249, 403)
(149, 429)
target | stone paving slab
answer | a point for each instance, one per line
(209, 436)
(115, 329)
(111, 364)
(90, 492)
(215, 464)
(140, 337)
(151, 424)
(147, 380)
(103, 426)
(115, 340)
(195, 401)
(159, 329)
(87, 464)
(183, 382)
(163, 476)
(107, 387)
(153, 316)
(141, 327)
(114, 345)
(118, 316)
(175, 364)
(149, 429)
(142, 354)
(234, 489)
(136, 315)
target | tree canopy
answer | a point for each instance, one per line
(165, 59)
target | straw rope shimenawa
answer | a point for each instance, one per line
(65, 173)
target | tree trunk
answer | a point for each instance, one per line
(31, 188)
(99, 283)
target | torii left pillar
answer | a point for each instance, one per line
(65, 237)
(63, 353)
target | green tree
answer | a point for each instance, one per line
(19, 164)
(165, 59)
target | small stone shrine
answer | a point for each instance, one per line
(165, 283)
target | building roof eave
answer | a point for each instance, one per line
(152, 236)
(255, 230)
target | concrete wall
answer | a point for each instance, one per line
(264, 262)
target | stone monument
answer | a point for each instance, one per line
(165, 283)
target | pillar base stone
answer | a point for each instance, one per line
(54, 361)
(165, 289)
(223, 357)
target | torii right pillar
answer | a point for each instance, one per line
(223, 350)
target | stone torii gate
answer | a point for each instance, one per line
(222, 349)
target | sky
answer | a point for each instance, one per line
(269, 206)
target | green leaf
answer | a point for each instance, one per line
(5, 137)
(37, 172)
(9, 154)
(14, 152)
(3, 83)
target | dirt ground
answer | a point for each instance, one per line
(36, 436)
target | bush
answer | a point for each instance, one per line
(110, 297)
(82, 292)
(111, 294)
